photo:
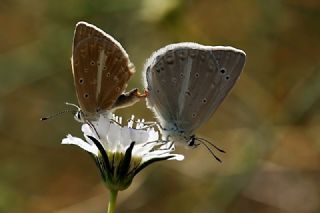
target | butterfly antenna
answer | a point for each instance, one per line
(62, 112)
(56, 114)
(71, 104)
(209, 142)
(210, 150)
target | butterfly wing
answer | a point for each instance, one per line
(101, 68)
(192, 82)
(162, 82)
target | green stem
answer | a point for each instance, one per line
(112, 201)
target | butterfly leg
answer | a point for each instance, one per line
(149, 124)
(128, 99)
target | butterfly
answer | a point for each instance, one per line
(101, 69)
(186, 83)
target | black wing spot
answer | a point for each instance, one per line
(81, 80)
(223, 71)
(158, 91)
(181, 75)
(194, 115)
(227, 77)
(86, 95)
(196, 75)
(92, 63)
(204, 101)
(108, 74)
(104, 67)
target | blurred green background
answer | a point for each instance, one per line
(269, 125)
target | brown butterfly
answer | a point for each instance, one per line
(101, 69)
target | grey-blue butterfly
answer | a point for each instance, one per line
(186, 83)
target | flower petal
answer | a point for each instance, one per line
(139, 136)
(113, 136)
(125, 138)
(102, 126)
(81, 143)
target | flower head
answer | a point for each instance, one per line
(121, 152)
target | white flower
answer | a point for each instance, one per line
(122, 151)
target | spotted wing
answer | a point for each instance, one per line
(101, 68)
(162, 80)
(187, 82)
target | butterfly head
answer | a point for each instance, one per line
(191, 142)
(183, 138)
(79, 116)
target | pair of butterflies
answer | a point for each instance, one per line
(185, 82)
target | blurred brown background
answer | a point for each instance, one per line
(269, 125)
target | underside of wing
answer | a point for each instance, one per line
(211, 79)
(188, 81)
(165, 74)
(101, 68)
